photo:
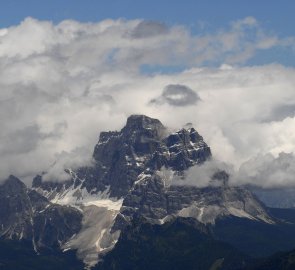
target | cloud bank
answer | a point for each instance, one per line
(266, 171)
(60, 85)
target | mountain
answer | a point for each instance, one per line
(139, 170)
(136, 183)
(27, 215)
(144, 144)
(120, 159)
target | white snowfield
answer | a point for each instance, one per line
(99, 212)
(107, 203)
(95, 237)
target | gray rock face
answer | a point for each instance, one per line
(25, 214)
(159, 203)
(15, 210)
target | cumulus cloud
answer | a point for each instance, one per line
(61, 84)
(268, 171)
(177, 95)
(263, 170)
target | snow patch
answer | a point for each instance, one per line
(95, 238)
(239, 213)
(107, 203)
(99, 213)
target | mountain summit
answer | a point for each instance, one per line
(121, 156)
(138, 122)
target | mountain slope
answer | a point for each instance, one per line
(278, 261)
(179, 244)
(20, 255)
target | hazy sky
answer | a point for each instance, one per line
(70, 69)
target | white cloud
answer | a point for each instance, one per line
(262, 170)
(268, 171)
(204, 175)
(60, 85)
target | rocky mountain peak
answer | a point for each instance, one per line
(142, 145)
(140, 121)
(13, 184)
(143, 127)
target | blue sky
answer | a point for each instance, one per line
(276, 17)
